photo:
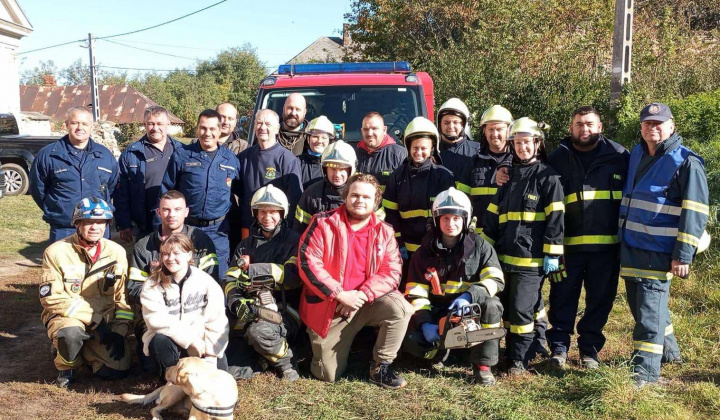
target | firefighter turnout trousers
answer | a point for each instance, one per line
(653, 336)
(485, 354)
(525, 305)
(599, 272)
(263, 339)
(76, 345)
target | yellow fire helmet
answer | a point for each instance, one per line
(496, 113)
(339, 155)
(269, 196)
(421, 127)
(525, 126)
(452, 201)
(321, 125)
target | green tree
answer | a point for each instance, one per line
(76, 73)
(35, 76)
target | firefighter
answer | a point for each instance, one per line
(663, 214)
(413, 186)
(478, 179)
(70, 169)
(206, 174)
(320, 132)
(378, 153)
(267, 162)
(82, 292)
(592, 169)
(271, 249)
(229, 137)
(469, 272)
(291, 134)
(142, 167)
(172, 212)
(338, 164)
(524, 222)
(457, 150)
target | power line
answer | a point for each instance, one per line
(125, 33)
(152, 51)
(161, 24)
(142, 69)
(53, 46)
(171, 46)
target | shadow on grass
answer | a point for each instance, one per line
(33, 251)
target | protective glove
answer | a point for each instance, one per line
(243, 311)
(551, 264)
(459, 302)
(114, 342)
(430, 331)
(116, 346)
(404, 253)
(560, 274)
(103, 332)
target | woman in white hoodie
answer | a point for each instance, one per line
(184, 309)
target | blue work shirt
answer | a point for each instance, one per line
(205, 181)
(61, 176)
(131, 200)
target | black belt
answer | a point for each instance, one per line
(192, 221)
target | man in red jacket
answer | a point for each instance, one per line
(350, 266)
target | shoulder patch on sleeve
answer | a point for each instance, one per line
(45, 290)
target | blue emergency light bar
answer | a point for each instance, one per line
(324, 68)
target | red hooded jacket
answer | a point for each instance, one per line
(322, 259)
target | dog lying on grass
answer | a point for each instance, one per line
(194, 388)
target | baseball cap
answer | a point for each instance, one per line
(656, 112)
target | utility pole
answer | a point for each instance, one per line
(622, 48)
(94, 93)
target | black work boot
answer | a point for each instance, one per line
(381, 374)
(589, 361)
(517, 368)
(483, 377)
(65, 378)
(559, 359)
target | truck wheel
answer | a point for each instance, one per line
(16, 179)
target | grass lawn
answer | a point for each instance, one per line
(689, 391)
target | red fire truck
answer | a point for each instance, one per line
(345, 92)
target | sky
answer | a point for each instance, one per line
(278, 29)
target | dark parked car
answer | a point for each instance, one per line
(17, 152)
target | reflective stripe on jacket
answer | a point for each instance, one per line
(592, 198)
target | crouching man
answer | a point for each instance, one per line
(350, 266)
(262, 289)
(82, 292)
(453, 268)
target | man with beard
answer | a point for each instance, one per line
(228, 121)
(205, 173)
(267, 162)
(592, 169)
(378, 153)
(172, 211)
(142, 167)
(350, 267)
(292, 134)
(457, 151)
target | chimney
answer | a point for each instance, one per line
(346, 35)
(48, 80)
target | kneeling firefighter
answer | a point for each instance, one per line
(262, 289)
(452, 282)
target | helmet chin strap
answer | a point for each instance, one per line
(84, 242)
(450, 138)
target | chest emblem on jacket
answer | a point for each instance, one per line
(75, 288)
(270, 173)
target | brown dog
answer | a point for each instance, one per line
(195, 388)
